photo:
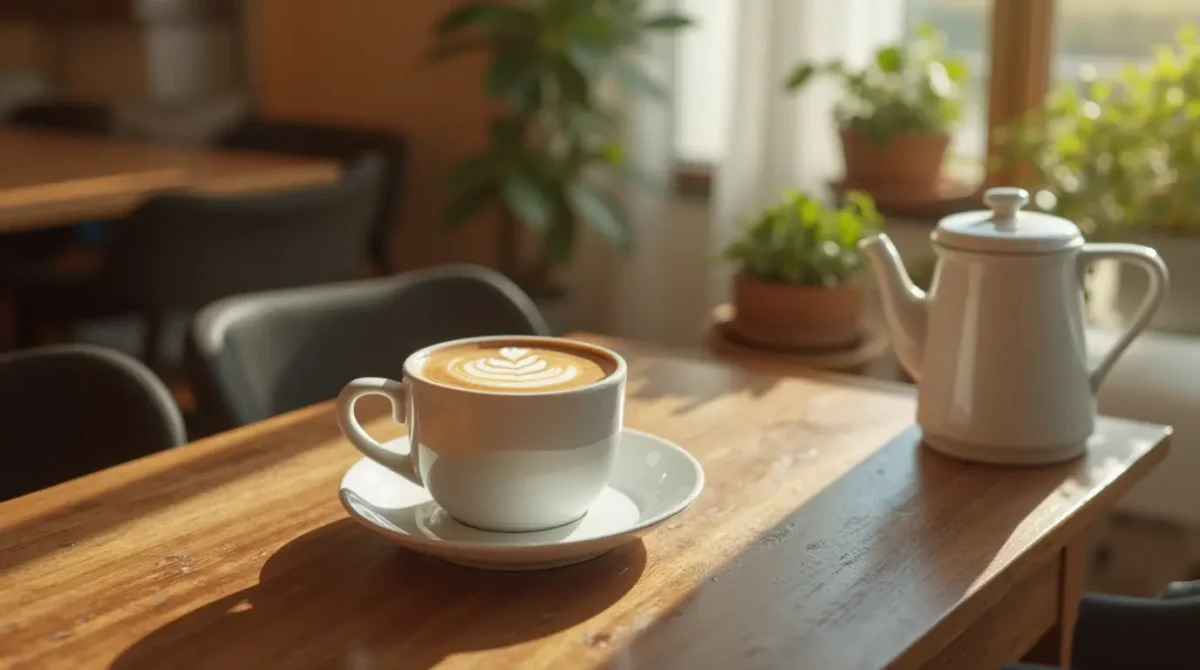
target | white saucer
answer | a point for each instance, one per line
(652, 481)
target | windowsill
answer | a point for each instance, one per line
(694, 181)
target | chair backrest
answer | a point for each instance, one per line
(188, 250)
(68, 410)
(344, 144)
(254, 356)
(64, 115)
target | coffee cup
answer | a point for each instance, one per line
(506, 433)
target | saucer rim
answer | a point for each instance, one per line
(449, 545)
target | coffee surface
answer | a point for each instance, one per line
(516, 367)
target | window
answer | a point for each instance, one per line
(704, 81)
(1107, 34)
(706, 51)
(1008, 44)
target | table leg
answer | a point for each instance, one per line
(1054, 648)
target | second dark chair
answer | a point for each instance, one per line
(184, 251)
(343, 144)
(1126, 633)
(255, 356)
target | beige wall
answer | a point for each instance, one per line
(361, 62)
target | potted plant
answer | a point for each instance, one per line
(798, 263)
(897, 112)
(555, 154)
(1118, 156)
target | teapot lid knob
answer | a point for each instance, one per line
(1004, 228)
(1006, 202)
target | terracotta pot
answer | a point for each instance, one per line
(911, 158)
(799, 318)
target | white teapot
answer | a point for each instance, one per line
(997, 344)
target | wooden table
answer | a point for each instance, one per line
(826, 538)
(50, 178)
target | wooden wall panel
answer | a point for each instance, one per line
(101, 62)
(22, 47)
(361, 62)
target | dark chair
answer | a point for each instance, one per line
(64, 115)
(73, 409)
(255, 356)
(343, 144)
(1123, 633)
(183, 251)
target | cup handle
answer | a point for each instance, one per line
(396, 392)
(1149, 260)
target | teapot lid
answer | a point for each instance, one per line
(1005, 228)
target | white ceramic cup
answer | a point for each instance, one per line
(512, 462)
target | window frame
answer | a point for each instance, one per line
(1022, 54)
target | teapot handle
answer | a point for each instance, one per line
(1150, 261)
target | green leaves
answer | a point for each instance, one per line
(800, 76)
(513, 68)
(492, 18)
(603, 212)
(573, 87)
(1120, 152)
(668, 21)
(554, 141)
(911, 87)
(632, 77)
(467, 205)
(957, 69)
(800, 241)
(889, 59)
(477, 170)
(529, 200)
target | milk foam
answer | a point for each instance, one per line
(513, 368)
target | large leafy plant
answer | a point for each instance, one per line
(800, 241)
(1110, 154)
(911, 87)
(554, 154)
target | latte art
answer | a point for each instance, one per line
(515, 366)
(512, 367)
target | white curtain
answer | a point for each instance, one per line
(777, 140)
(773, 141)
(624, 295)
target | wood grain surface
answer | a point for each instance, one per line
(826, 537)
(52, 178)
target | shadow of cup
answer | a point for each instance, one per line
(340, 596)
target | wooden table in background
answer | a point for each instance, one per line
(50, 178)
(826, 538)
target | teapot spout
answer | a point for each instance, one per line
(905, 306)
